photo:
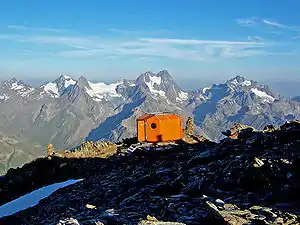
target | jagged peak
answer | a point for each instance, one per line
(162, 76)
(64, 77)
(64, 82)
(10, 81)
(163, 73)
(145, 76)
(240, 80)
(14, 83)
(82, 82)
(240, 83)
(149, 73)
(247, 84)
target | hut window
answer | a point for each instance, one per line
(153, 125)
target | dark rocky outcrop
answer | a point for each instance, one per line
(252, 178)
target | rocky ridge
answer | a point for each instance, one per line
(248, 178)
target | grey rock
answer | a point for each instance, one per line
(146, 222)
(168, 186)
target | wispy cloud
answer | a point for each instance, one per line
(269, 25)
(273, 23)
(139, 45)
(185, 49)
(196, 42)
(21, 27)
(283, 26)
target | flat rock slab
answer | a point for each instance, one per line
(146, 222)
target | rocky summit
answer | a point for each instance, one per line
(250, 177)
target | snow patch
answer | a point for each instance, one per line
(205, 89)
(246, 83)
(100, 90)
(52, 89)
(235, 82)
(4, 97)
(32, 199)
(67, 77)
(26, 92)
(155, 80)
(69, 82)
(21, 89)
(15, 86)
(182, 96)
(263, 95)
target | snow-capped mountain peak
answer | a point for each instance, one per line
(241, 84)
(16, 86)
(239, 81)
(55, 88)
(98, 91)
(21, 88)
(9, 83)
(162, 85)
(64, 82)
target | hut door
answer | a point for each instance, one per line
(141, 131)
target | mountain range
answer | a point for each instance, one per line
(67, 112)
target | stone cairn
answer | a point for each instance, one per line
(50, 150)
(189, 127)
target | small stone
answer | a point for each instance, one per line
(220, 202)
(204, 196)
(143, 222)
(279, 220)
(258, 163)
(255, 207)
(63, 165)
(229, 207)
(151, 218)
(70, 221)
(99, 223)
(90, 206)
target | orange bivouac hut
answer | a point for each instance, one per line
(162, 127)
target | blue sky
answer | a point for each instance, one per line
(111, 39)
